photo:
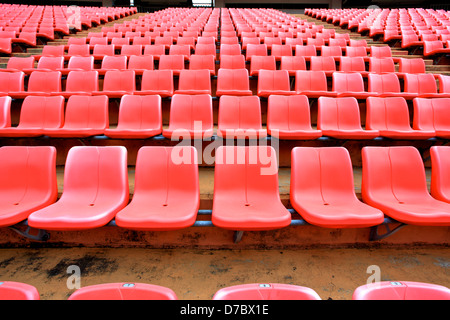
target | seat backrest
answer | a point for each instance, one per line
(181, 49)
(229, 79)
(186, 110)
(194, 80)
(431, 114)
(83, 63)
(239, 112)
(347, 82)
(230, 49)
(396, 174)
(232, 62)
(389, 113)
(274, 80)
(420, 83)
(349, 64)
(123, 80)
(198, 62)
(381, 65)
(140, 112)
(293, 63)
(444, 83)
(404, 290)
(42, 112)
(266, 291)
(20, 63)
(321, 63)
(342, 113)
(171, 62)
(114, 63)
(157, 80)
(324, 174)
(131, 50)
(155, 50)
(5, 112)
(55, 51)
(11, 290)
(12, 81)
(440, 172)
(305, 51)
(262, 62)
(334, 51)
(256, 50)
(104, 49)
(355, 51)
(82, 81)
(140, 62)
(288, 112)
(380, 51)
(45, 81)
(51, 63)
(86, 112)
(416, 65)
(383, 83)
(205, 48)
(310, 81)
(96, 175)
(82, 50)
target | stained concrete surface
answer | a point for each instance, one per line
(197, 274)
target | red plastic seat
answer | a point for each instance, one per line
(155, 50)
(230, 49)
(205, 49)
(101, 50)
(262, 62)
(334, 51)
(240, 117)
(158, 82)
(113, 63)
(288, 118)
(273, 82)
(41, 83)
(11, 290)
(167, 193)
(349, 84)
(232, 62)
(266, 291)
(356, 52)
(320, 63)
(140, 63)
(255, 50)
(252, 203)
(440, 173)
(53, 51)
(390, 116)
(95, 189)
(380, 52)
(123, 291)
(191, 116)
(353, 64)
(5, 112)
(401, 290)
(313, 84)
(194, 82)
(416, 65)
(81, 83)
(80, 50)
(25, 64)
(340, 118)
(322, 189)
(292, 64)
(166, 41)
(180, 49)
(140, 117)
(118, 83)
(422, 85)
(394, 181)
(434, 48)
(85, 116)
(36, 114)
(199, 62)
(131, 50)
(171, 62)
(80, 64)
(281, 50)
(6, 45)
(431, 115)
(381, 65)
(27, 182)
(305, 51)
(271, 41)
(233, 82)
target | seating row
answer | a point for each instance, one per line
(166, 194)
(239, 117)
(384, 290)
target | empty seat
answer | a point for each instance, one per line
(155, 50)
(113, 63)
(95, 189)
(401, 290)
(355, 52)
(262, 62)
(40, 83)
(252, 203)
(273, 82)
(390, 116)
(340, 118)
(394, 181)
(85, 116)
(199, 62)
(158, 82)
(53, 51)
(140, 117)
(422, 85)
(386, 85)
(27, 182)
(230, 49)
(305, 51)
(36, 114)
(313, 84)
(416, 65)
(81, 83)
(131, 50)
(240, 117)
(281, 50)
(292, 64)
(288, 117)
(80, 63)
(232, 62)
(167, 193)
(320, 63)
(11, 290)
(431, 115)
(353, 64)
(194, 82)
(191, 116)
(322, 189)
(51, 63)
(381, 65)
(123, 291)
(180, 49)
(233, 82)
(334, 51)
(255, 50)
(101, 50)
(440, 173)
(205, 49)
(171, 62)
(25, 64)
(140, 63)
(380, 52)
(434, 48)
(118, 83)
(5, 112)
(348, 84)
(79, 50)
(266, 291)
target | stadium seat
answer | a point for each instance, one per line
(27, 182)
(5, 112)
(171, 62)
(80, 64)
(292, 64)
(340, 118)
(233, 82)
(313, 84)
(158, 82)
(305, 51)
(335, 52)
(381, 65)
(95, 189)
(390, 116)
(113, 63)
(281, 50)
(191, 116)
(320, 63)
(167, 193)
(240, 118)
(118, 83)
(230, 49)
(6, 45)
(140, 117)
(123, 291)
(41, 83)
(401, 290)
(353, 64)
(85, 116)
(423, 86)
(194, 82)
(253, 203)
(380, 52)
(79, 50)
(205, 49)
(255, 50)
(129, 50)
(81, 83)
(415, 65)
(12, 83)
(349, 84)
(288, 118)
(434, 48)
(266, 291)
(36, 114)
(232, 62)
(431, 115)
(180, 49)
(199, 62)
(140, 63)
(11, 290)
(440, 173)
(25, 64)
(322, 189)
(155, 50)
(355, 52)
(273, 82)
(262, 62)
(394, 181)
(102, 50)
(53, 51)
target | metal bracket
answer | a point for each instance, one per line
(237, 237)
(41, 235)
(375, 234)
